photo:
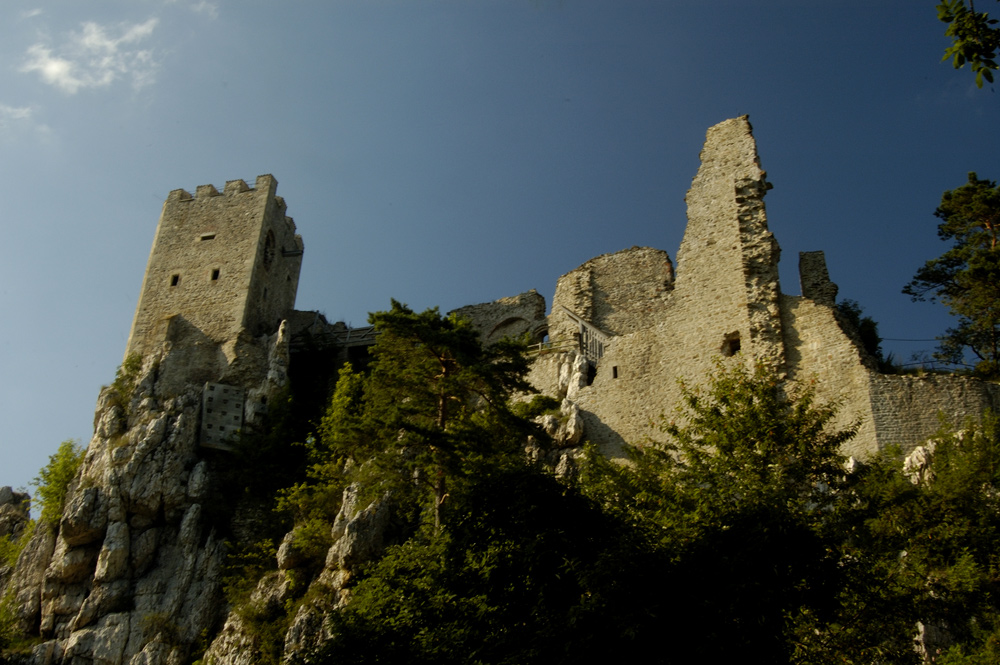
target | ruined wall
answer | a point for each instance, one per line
(814, 279)
(516, 316)
(907, 410)
(726, 304)
(727, 264)
(618, 293)
(222, 261)
(725, 301)
(821, 355)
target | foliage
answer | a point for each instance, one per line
(11, 546)
(538, 405)
(740, 499)
(525, 570)
(244, 566)
(954, 523)
(974, 39)
(311, 540)
(52, 483)
(966, 278)
(433, 408)
(746, 530)
(158, 626)
(8, 621)
(318, 496)
(126, 379)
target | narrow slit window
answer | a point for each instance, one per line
(175, 280)
(614, 372)
(207, 236)
(215, 274)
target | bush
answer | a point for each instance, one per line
(126, 379)
(52, 483)
(11, 546)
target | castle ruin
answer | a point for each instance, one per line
(624, 328)
(133, 570)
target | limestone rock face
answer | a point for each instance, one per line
(13, 512)
(131, 573)
(13, 520)
(358, 536)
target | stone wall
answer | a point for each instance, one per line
(515, 316)
(223, 261)
(821, 355)
(907, 410)
(726, 306)
(618, 293)
(814, 279)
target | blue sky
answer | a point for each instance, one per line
(447, 152)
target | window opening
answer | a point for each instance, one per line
(215, 274)
(730, 344)
(175, 280)
(269, 250)
(614, 372)
(207, 236)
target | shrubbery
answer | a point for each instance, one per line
(52, 483)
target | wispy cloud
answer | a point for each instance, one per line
(95, 57)
(9, 114)
(20, 121)
(210, 9)
(31, 13)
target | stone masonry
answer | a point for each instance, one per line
(224, 267)
(726, 305)
(220, 263)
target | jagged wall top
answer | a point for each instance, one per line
(728, 259)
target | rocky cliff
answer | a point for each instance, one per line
(131, 572)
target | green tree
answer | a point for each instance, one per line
(525, 570)
(974, 40)
(436, 402)
(966, 278)
(742, 496)
(52, 483)
(744, 533)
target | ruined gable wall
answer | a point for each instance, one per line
(727, 283)
(618, 293)
(727, 265)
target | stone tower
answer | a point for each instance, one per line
(220, 263)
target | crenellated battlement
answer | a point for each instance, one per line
(236, 187)
(265, 183)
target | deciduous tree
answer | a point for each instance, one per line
(975, 40)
